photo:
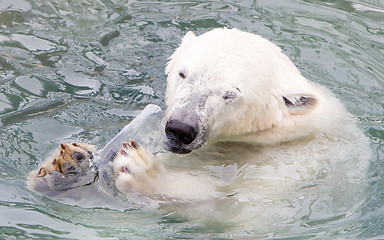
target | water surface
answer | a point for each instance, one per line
(81, 70)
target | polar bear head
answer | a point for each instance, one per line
(228, 82)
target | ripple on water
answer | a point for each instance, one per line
(80, 70)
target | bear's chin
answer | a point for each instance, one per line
(180, 148)
(176, 148)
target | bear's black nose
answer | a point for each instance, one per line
(180, 131)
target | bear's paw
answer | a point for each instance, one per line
(69, 167)
(136, 170)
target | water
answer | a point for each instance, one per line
(81, 70)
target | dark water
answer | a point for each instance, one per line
(81, 70)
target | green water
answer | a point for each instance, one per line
(80, 70)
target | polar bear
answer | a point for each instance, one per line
(228, 82)
(245, 122)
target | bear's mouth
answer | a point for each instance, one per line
(179, 148)
(176, 148)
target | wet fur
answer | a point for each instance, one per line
(256, 115)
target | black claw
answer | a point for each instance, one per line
(134, 144)
(124, 169)
(42, 172)
(124, 153)
(126, 145)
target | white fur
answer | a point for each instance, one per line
(252, 152)
(138, 171)
(228, 59)
(270, 146)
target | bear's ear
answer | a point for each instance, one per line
(188, 37)
(299, 104)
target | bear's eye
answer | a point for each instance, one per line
(182, 75)
(229, 96)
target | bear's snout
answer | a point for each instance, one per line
(180, 135)
(180, 132)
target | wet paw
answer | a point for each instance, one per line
(135, 169)
(68, 167)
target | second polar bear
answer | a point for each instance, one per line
(255, 125)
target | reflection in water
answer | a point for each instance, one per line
(81, 70)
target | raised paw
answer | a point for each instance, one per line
(67, 168)
(135, 169)
(139, 172)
